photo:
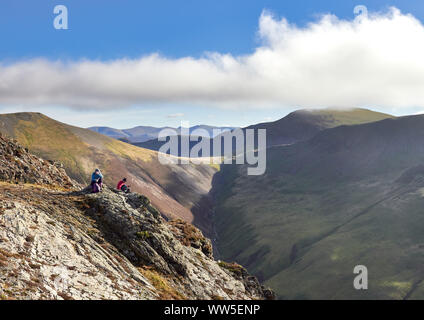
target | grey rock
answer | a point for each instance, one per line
(59, 243)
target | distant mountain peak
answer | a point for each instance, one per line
(303, 124)
(141, 134)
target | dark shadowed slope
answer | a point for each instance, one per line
(173, 189)
(351, 195)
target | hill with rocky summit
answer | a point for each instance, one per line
(60, 243)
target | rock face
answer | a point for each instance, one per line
(18, 165)
(58, 243)
(48, 251)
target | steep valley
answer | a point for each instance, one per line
(338, 195)
(352, 195)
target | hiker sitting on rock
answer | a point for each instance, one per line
(122, 185)
(96, 181)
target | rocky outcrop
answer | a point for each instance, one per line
(56, 243)
(175, 249)
(50, 250)
(17, 165)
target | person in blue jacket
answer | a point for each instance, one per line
(96, 181)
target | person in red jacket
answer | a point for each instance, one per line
(122, 185)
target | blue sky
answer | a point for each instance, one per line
(106, 30)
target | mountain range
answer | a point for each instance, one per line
(350, 195)
(175, 190)
(141, 134)
(296, 126)
(342, 188)
(305, 123)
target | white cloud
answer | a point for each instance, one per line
(175, 115)
(375, 61)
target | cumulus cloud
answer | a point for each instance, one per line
(375, 60)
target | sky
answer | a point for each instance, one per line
(230, 63)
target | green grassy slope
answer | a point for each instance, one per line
(351, 195)
(297, 126)
(304, 124)
(173, 189)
